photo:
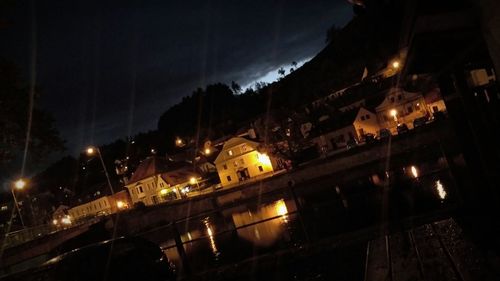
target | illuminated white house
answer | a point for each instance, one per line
(240, 160)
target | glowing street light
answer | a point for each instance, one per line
(164, 192)
(207, 151)
(192, 180)
(19, 185)
(91, 150)
(120, 204)
(394, 114)
(414, 171)
(396, 64)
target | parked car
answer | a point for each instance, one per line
(402, 128)
(369, 138)
(419, 122)
(351, 143)
(384, 134)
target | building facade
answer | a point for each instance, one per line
(401, 107)
(337, 131)
(240, 160)
(158, 180)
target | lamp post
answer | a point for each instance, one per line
(394, 114)
(95, 150)
(19, 184)
(193, 180)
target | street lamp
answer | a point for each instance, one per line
(95, 150)
(193, 180)
(396, 64)
(394, 114)
(19, 185)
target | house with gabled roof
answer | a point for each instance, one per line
(240, 160)
(158, 180)
(335, 132)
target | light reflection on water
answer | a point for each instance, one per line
(267, 233)
(210, 234)
(441, 190)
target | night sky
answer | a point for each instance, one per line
(108, 69)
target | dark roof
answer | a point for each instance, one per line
(150, 166)
(373, 92)
(335, 122)
(179, 172)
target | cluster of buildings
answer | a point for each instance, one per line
(163, 179)
(331, 123)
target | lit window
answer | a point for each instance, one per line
(261, 169)
(230, 152)
(228, 178)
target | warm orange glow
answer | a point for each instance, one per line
(414, 171)
(192, 180)
(394, 112)
(207, 151)
(66, 220)
(20, 184)
(163, 192)
(395, 64)
(54, 222)
(264, 159)
(120, 204)
(281, 208)
(90, 151)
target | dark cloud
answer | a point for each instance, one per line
(110, 68)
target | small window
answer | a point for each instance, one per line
(235, 163)
(225, 167)
(228, 178)
(140, 190)
(392, 99)
(435, 109)
(362, 118)
(399, 97)
(410, 109)
(367, 116)
(261, 169)
(230, 152)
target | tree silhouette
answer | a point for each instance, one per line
(14, 101)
